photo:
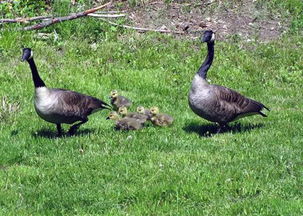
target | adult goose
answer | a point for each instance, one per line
(59, 105)
(217, 103)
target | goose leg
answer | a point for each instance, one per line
(74, 128)
(221, 128)
(59, 129)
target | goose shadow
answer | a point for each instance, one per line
(209, 130)
(52, 134)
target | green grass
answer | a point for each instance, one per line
(255, 169)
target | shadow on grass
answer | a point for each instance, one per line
(209, 130)
(52, 134)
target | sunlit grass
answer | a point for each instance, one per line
(254, 169)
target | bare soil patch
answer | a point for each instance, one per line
(245, 19)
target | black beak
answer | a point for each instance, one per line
(26, 54)
(23, 59)
(107, 118)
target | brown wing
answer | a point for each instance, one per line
(77, 104)
(236, 105)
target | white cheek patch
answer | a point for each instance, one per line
(32, 54)
(212, 37)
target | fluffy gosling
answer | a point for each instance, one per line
(160, 119)
(125, 123)
(118, 101)
(142, 110)
(124, 113)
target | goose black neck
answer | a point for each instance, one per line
(38, 82)
(208, 60)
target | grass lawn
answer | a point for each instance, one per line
(254, 169)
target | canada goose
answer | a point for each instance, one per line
(160, 119)
(142, 110)
(119, 100)
(125, 123)
(59, 105)
(217, 103)
(124, 113)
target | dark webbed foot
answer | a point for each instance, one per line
(75, 127)
(72, 130)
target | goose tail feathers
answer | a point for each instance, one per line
(258, 107)
(106, 106)
(266, 107)
(262, 106)
(262, 114)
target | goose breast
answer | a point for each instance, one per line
(200, 98)
(49, 106)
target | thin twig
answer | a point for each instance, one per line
(65, 18)
(106, 15)
(110, 12)
(143, 29)
(2, 2)
(24, 20)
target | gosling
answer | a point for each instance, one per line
(142, 110)
(124, 113)
(160, 119)
(118, 101)
(125, 123)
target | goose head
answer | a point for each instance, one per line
(122, 111)
(154, 110)
(113, 116)
(208, 36)
(27, 54)
(141, 109)
(113, 94)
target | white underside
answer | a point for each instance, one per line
(45, 105)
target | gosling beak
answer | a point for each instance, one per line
(107, 118)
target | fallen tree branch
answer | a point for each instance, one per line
(110, 12)
(9, 1)
(106, 15)
(62, 19)
(30, 19)
(24, 20)
(143, 29)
